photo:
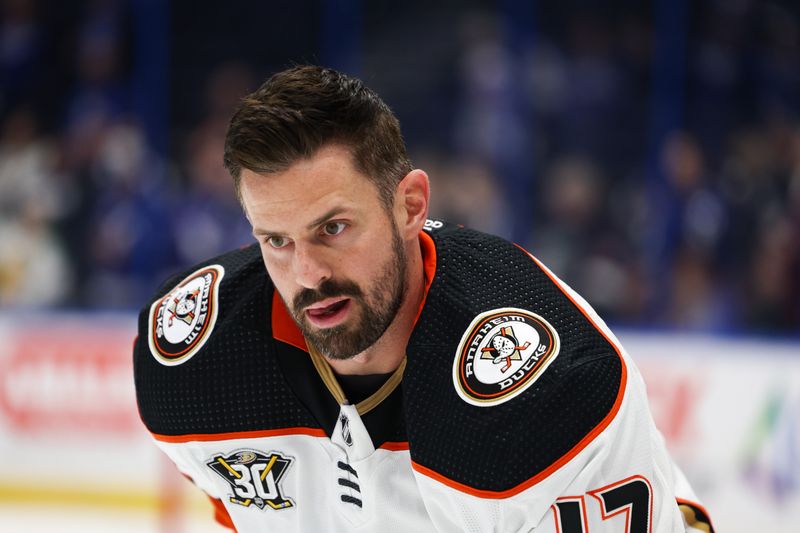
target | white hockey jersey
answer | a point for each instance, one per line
(516, 409)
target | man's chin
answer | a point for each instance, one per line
(347, 339)
(332, 350)
(328, 341)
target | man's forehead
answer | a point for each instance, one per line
(280, 210)
(304, 188)
(327, 175)
(305, 210)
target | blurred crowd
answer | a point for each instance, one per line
(92, 215)
(550, 137)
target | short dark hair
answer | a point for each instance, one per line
(299, 110)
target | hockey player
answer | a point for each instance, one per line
(363, 368)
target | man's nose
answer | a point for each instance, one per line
(310, 267)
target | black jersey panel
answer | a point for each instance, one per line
(497, 447)
(234, 382)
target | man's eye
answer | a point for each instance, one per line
(277, 242)
(333, 228)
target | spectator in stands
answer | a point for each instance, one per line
(34, 271)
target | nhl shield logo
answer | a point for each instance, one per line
(181, 321)
(502, 353)
(346, 436)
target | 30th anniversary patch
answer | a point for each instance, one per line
(501, 354)
(181, 322)
(254, 477)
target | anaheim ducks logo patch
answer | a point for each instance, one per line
(181, 321)
(501, 354)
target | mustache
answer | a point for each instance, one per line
(327, 289)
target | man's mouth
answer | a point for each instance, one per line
(328, 312)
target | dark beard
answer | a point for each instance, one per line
(346, 341)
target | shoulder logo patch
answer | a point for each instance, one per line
(502, 353)
(181, 322)
(254, 477)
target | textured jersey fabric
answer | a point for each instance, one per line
(515, 409)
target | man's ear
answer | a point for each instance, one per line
(411, 203)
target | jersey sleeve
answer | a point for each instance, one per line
(623, 475)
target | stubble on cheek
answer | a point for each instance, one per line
(370, 314)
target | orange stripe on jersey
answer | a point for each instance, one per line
(394, 446)
(428, 249)
(623, 378)
(208, 437)
(567, 457)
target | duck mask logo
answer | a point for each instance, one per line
(502, 353)
(181, 322)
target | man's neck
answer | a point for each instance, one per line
(388, 352)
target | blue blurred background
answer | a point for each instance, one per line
(648, 152)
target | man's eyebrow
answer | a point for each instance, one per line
(324, 218)
(259, 231)
(327, 216)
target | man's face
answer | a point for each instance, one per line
(332, 249)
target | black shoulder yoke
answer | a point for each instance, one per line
(501, 447)
(233, 383)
